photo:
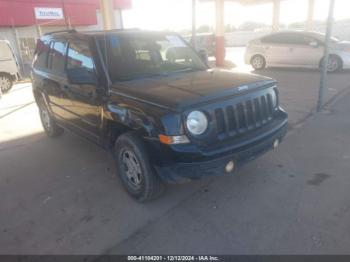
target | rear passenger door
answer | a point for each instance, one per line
(54, 83)
(276, 48)
(85, 95)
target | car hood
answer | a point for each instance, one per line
(342, 45)
(184, 90)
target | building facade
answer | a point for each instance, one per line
(23, 21)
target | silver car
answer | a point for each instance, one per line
(296, 49)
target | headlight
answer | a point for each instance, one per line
(197, 122)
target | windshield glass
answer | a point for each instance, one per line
(136, 55)
(322, 37)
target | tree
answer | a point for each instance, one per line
(204, 29)
(251, 26)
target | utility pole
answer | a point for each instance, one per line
(324, 73)
(194, 24)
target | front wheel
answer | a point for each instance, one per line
(5, 83)
(135, 169)
(258, 62)
(49, 124)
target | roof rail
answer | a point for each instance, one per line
(125, 29)
(61, 31)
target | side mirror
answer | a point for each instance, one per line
(314, 44)
(203, 55)
(81, 76)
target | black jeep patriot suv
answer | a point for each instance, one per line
(164, 116)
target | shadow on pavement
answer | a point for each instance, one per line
(62, 196)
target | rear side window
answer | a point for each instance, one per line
(41, 54)
(57, 57)
(79, 56)
(282, 38)
(5, 51)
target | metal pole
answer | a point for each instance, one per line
(219, 34)
(310, 15)
(324, 75)
(121, 19)
(67, 22)
(276, 15)
(194, 24)
(107, 12)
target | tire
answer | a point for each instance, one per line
(334, 64)
(50, 127)
(135, 169)
(258, 62)
(6, 83)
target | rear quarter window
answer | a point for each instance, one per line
(57, 57)
(41, 54)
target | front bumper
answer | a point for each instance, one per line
(180, 171)
(345, 56)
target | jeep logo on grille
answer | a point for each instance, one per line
(243, 88)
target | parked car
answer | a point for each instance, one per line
(205, 42)
(164, 121)
(9, 69)
(296, 49)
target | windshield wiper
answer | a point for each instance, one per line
(187, 69)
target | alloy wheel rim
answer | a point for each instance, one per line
(132, 169)
(257, 62)
(46, 118)
(332, 65)
(4, 83)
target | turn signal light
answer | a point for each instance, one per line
(171, 140)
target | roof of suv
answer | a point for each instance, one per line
(83, 34)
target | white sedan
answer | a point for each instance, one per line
(296, 49)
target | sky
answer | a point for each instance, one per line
(176, 14)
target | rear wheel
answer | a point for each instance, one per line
(5, 83)
(135, 169)
(258, 62)
(49, 124)
(334, 64)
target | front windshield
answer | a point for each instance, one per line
(136, 55)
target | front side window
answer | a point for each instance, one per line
(79, 56)
(132, 56)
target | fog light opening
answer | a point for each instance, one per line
(230, 166)
(276, 143)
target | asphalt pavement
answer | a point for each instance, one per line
(61, 196)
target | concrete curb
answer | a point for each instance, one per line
(327, 106)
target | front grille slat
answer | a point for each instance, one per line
(253, 113)
(235, 112)
(245, 116)
(231, 118)
(270, 105)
